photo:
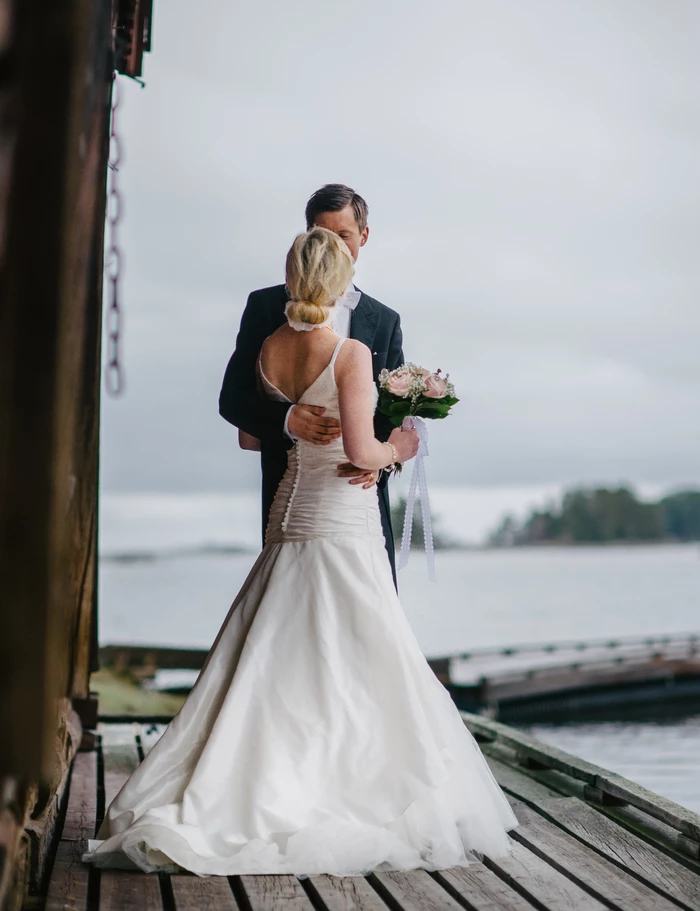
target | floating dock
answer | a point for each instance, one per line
(588, 840)
(593, 680)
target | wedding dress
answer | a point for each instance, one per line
(316, 739)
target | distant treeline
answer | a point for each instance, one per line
(398, 511)
(598, 515)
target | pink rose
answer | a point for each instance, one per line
(435, 387)
(399, 383)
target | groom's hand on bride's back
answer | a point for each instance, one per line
(306, 422)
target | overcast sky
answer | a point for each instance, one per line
(532, 169)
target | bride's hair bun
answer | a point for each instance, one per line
(319, 269)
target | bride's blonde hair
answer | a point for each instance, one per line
(319, 269)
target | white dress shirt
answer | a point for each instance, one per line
(341, 325)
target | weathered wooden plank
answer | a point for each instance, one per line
(526, 746)
(605, 835)
(689, 846)
(68, 886)
(520, 784)
(192, 893)
(81, 812)
(146, 657)
(415, 891)
(119, 756)
(625, 848)
(122, 890)
(347, 893)
(115, 734)
(557, 784)
(149, 735)
(682, 643)
(546, 756)
(275, 893)
(585, 866)
(667, 811)
(559, 679)
(483, 889)
(543, 883)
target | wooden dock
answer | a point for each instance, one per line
(593, 680)
(588, 840)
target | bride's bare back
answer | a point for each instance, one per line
(292, 361)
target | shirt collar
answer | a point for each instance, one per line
(350, 299)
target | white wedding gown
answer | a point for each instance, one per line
(316, 739)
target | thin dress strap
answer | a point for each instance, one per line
(336, 350)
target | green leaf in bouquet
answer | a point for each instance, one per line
(433, 407)
(386, 402)
(448, 400)
(395, 408)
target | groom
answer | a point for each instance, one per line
(357, 315)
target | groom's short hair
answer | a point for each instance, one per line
(332, 198)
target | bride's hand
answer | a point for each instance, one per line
(357, 475)
(406, 443)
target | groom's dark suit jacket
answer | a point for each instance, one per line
(241, 404)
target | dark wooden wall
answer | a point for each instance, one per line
(55, 80)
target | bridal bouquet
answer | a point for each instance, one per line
(410, 394)
(414, 391)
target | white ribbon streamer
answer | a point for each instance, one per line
(418, 487)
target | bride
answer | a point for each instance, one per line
(316, 739)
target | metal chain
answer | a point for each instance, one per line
(114, 374)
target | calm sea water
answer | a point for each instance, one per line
(482, 598)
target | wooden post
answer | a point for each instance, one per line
(49, 363)
(56, 63)
(55, 82)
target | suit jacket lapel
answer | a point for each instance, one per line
(363, 322)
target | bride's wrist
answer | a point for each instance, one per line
(394, 454)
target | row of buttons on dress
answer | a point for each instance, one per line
(297, 452)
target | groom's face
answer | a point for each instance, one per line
(344, 224)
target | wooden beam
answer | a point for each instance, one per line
(68, 886)
(50, 303)
(134, 30)
(543, 756)
(54, 94)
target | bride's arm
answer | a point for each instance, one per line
(353, 374)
